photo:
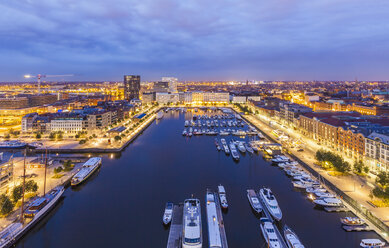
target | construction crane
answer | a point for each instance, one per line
(39, 76)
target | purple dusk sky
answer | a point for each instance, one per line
(196, 39)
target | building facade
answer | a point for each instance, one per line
(131, 87)
(377, 151)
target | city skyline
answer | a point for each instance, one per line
(280, 40)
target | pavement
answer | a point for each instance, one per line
(354, 186)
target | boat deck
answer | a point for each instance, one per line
(336, 209)
(268, 215)
(175, 233)
(360, 228)
(220, 217)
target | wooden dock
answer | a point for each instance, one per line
(175, 233)
(221, 221)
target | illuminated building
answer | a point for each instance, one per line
(131, 87)
(172, 83)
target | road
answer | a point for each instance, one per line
(354, 186)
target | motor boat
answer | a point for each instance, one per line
(254, 201)
(291, 238)
(269, 234)
(167, 215)
(271, 203)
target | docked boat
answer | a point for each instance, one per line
(328, 202)
(248, 148)
(217, 145)
(291, 238)
(168, 214)
(225, 146)
(214, 235)
(159, 115)
(224, 133)
(234, 152)
(222, 196)
(352, 221)
(372, 243)
(304, 183)
(184, 133)
(186, 123)
(254, 201)
(86, 170)
(315, 189)
(35, 211)
(271, 203)
(269, 233)
(12, 144)
(241, 147)
(192, 231)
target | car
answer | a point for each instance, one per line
(300, 150)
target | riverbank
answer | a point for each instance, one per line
(373, 215)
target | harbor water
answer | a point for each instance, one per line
(122, 204)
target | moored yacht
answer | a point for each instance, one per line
(241, 147)
(269, 233)
(214, 236)
(234, 152)
(249, 148)
(192, 231)
(291, 238)
(352, 221)
(254, 201)
(372, 243)
(271, 203)
(167, 215)
(160, 115)
(328, 202)
(222, 196)
(86, 170)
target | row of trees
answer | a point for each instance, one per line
(331, 160)
(7, 203)
(382, 188)
(243, 108)
(56, 135)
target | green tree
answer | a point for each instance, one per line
(359, 166)
(58, 169)
(17, 193)
(59, 135)
(31, 186)
(382, 179)
(117, 138)
(6, 204)
(52, 136)
(38, 136)
(82, 142)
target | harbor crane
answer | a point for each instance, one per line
(39, 76)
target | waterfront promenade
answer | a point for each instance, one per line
(352, 186)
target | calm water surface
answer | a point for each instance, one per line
(122, 204)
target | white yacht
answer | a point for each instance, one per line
(168, 214)
(248, 148)
(328, 202)
(372, 243)
(222, 196)
(234, 152)
(86, 170)
(352, 221)
(271, 203)
(186, 123)
(292, 241)
(192, 231)
(254, 201)
(241, 147)
(269, 233)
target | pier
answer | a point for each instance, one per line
(175, 233)
(221, 221)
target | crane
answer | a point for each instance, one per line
(39, 76)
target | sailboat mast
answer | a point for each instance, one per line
(44, 183)
(24, 183)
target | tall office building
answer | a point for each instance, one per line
(172, 83)
(161, 86)
(131, 87)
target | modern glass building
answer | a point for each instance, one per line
(131, 87)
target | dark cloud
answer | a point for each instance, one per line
(195, 39)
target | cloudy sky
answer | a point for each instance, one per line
(196, 39)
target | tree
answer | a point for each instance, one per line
(383, 179)
(38, 136)
(82, 142)
(52, 136)
(17, 193)
(58, 169)
(6, 204)
(117, 138)
(31, 186)
(59, 135)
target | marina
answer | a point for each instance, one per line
(139, 177)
